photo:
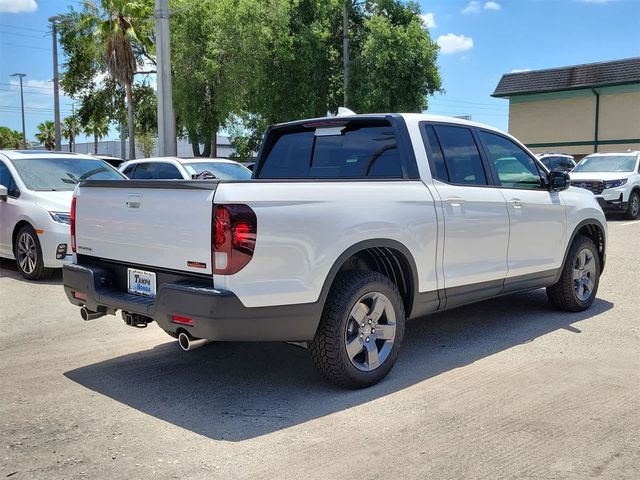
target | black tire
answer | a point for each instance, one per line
(329, 346)
(633, 207)
(33, 268)
(565, 293)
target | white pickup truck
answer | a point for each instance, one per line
(349, 226)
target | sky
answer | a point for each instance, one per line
(479, 42)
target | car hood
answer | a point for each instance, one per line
(54, 201)
(576, 176)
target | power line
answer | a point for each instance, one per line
(24, 46)
(22, 35)
(27, 86)
(22, 28)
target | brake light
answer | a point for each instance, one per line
(73, 224)
(233, 238)
(182, 320)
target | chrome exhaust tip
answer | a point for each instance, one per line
(87, 314)
(188, 343)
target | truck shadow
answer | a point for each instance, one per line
(237, 391)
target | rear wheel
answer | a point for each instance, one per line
(576, 290)
(633, 207)
(28, 255)
(360, 331)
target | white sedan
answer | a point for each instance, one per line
(173, 168)
(36, 188)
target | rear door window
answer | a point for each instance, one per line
(341, 150)
(461, 156)
(167, 171)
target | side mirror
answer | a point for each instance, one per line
(3, 193)
(559, 181)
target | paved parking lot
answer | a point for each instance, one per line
(503, 389)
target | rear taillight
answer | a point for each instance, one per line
(73, 224)
(233, 238)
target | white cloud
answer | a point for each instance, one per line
(18, 6)
(472, 7)
(452, 43)
(520, 70)
(428, 20)
(476, 6)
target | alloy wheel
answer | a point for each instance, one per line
(584, 271)
(371, 331)
(27, 253)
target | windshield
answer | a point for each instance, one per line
(221, 170)
(608, 163)
(57, 174)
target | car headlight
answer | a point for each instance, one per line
(61, 217)
(614, 183)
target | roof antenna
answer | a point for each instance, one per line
(344, 112)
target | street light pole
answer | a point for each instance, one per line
(166, 118)
(56, 97)
(345, 52)
(24, 133)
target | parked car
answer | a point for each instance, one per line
(352, 225)
(113, 161)
(167, 168)
(614, 178)
(557, 161)
(36, 188)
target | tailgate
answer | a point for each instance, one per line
(160, 223)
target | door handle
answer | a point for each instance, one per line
(516, 203)
(455, 201)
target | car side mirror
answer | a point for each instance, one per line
(559, 181)
(3, 193)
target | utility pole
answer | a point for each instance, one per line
(24, 133)
(56, 97)
(345, 51)
(166, 119)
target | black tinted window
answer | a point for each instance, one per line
(436, 158)
(129, 170)
(461, 155)
(166, 171)
(353, 150)
(143, 171)
(515, 168)
(6, 179)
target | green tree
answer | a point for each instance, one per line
(10, 138)
(98, 129)
(146, 143)
(114, 37)
(46, 134)
(71, 128)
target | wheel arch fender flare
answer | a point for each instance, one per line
(368, 244)
(590, 222)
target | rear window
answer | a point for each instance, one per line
(338, 150)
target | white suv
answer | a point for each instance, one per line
(174, 168)
(614, 178)
(36, 188)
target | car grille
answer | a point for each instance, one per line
(595, 186)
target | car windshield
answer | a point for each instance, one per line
(57, 174)
(607, 163)
(221, 170)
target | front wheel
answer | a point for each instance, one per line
(576, 290)
(29, 255)
(633, 207)
(360, 331)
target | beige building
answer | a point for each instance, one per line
(576, 110)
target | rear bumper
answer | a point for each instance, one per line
(217, 314)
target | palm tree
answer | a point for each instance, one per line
(47, 134)
(71, 129)
(120, 27)
(97, 128)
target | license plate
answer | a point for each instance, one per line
(142, 283)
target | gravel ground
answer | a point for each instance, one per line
(507, 388)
